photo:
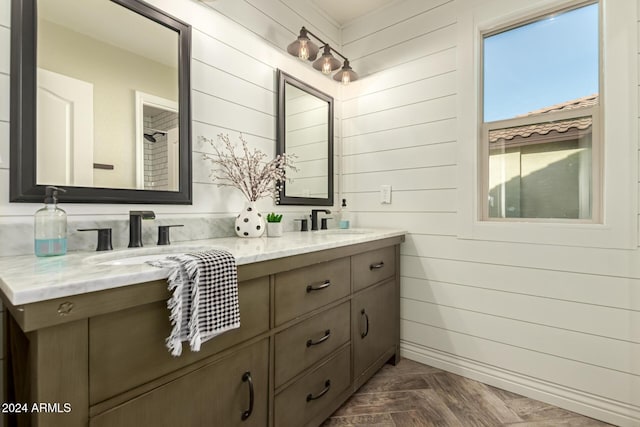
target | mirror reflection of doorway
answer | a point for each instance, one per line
(157, 147)
(65, 130)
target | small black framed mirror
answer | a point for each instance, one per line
(98, 89)
(305, 129)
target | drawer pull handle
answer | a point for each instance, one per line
(376, 266)
(324, 284)
(247, 377)
(326, 336)
(366, 324)
(327, 386)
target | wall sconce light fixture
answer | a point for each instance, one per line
(307, 50)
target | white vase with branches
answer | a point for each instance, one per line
(249, 172)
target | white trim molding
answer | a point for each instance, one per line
(591, 405)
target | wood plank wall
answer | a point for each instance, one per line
(5, 36)
(557, 323)
(234, 90)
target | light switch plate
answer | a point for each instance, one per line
(385, 194)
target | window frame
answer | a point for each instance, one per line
(618, 122)
(593, 111)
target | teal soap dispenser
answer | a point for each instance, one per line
(345, 216)
(50, 226)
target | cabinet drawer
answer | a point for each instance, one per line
(127, 348)
(372, 267)
(216, 394)
(302, 345)
(305, 399)
(302, 290)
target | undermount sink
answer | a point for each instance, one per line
(135, 256)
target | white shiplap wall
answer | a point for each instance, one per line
(278, 22)
(5, 36)
(558, 323)
(234, 90)
(306, 123)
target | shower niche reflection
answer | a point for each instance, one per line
(157, 141)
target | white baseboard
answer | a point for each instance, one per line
(587, 404)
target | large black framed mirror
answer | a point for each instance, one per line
(305, 129)
(100, 102)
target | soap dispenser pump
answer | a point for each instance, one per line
(50, 226)
(345, 217)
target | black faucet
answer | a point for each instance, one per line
(135, 226)
(314, 217)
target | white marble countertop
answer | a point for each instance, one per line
(27, 279)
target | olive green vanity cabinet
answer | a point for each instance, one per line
(374, 311)
(234, 389)
(314, 328)
(374, 329)
(316, 395)
(127, 347)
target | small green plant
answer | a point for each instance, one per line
(273, 217)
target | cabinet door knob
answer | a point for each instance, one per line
(326, 336)
(366, 324)
(246, 377)
(376, 266)
(325, 284)
(327, 387)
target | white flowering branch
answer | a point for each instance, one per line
(248, 172)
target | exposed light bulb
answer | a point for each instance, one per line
(303, 53)
(326, 67)
(346, 79)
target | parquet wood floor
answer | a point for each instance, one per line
(415, 395)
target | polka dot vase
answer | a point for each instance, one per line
(249, 222)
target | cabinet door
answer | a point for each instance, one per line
(230, 392)
(375, 325)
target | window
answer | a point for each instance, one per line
(540, 121)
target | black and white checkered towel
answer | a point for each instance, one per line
(204, 301)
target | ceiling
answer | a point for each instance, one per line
(345, 11)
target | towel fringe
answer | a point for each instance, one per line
(184, 318)
(194, 334)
